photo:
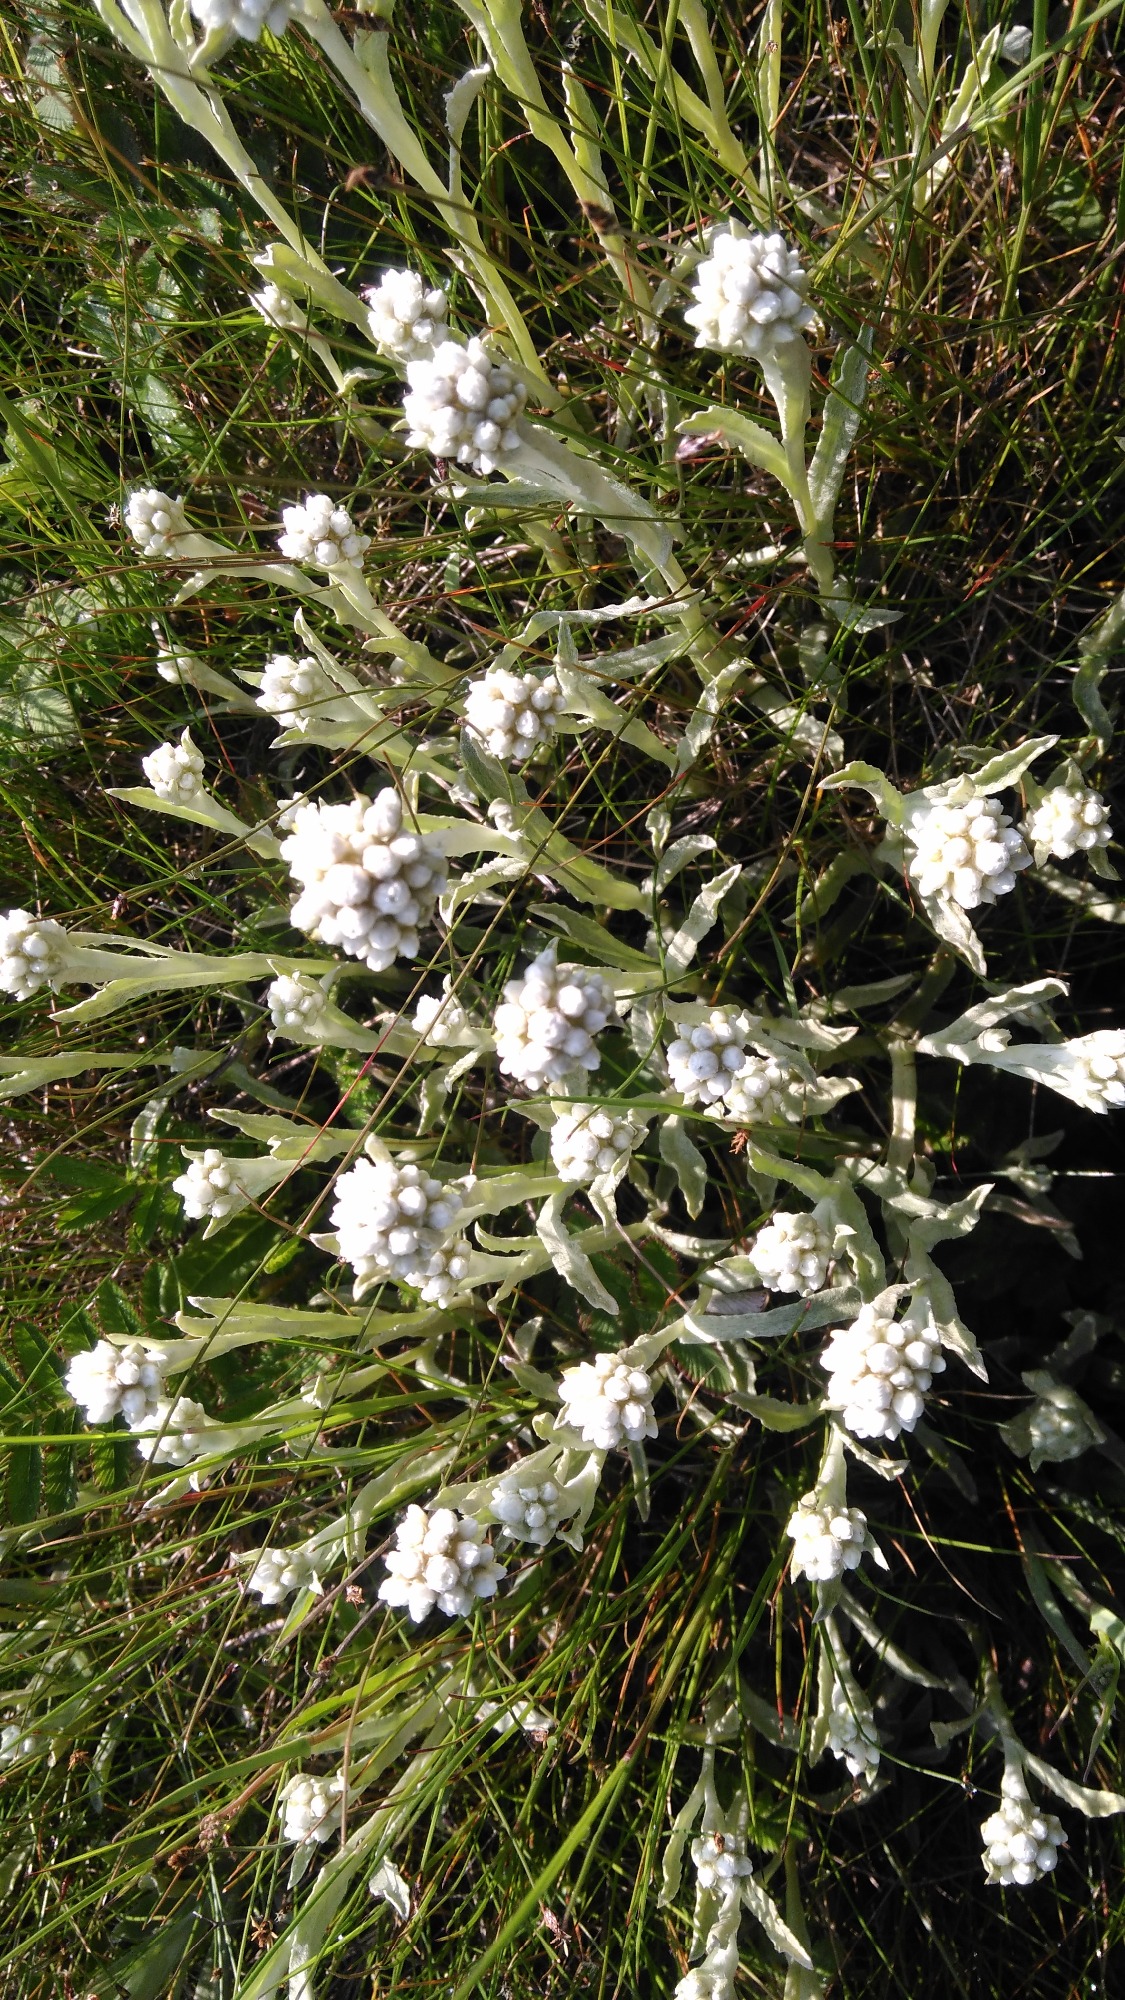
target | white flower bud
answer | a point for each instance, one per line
(462, 404)
(439, 1559)
(1068, 820)
(513, 714)
(589, 1141)
(407, 317)
(879, 1370)
(442, 1022)
(155, 521)
(398, 1222)
(852, 1735)
(749, 294)
(34, 952)
(175, 1433)
(608, 1401)
(321, 533)
(1021, 1843)
(827, 1540)
(210, 1187)
(295, 691)
(526, 1510)
(175, 771)
(970, 854)
(547, 1021)
(792, 1253)
(275, 306)
(368, 885)
(107, 1381)
(297, 1005)
(277, 1573)
(313, 1808)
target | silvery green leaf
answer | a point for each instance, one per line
(1094, 1804)
(22, 1073)
(682, 948)
(773, 1923)
(869, 779)
(701, 724)
(1095, 651)
(204, 811)
(843, 412)
(801, 729)
(569, 1260)
(1073, 889)
(679, 1151)
(583, 695)
(590, 489)
(675, 858)
(742, 434)
(1009, 766)
(387, 1884)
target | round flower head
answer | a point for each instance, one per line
(295, 691)
(852, 1735)
(1021, 1844)
(464, 405)
(210, 1187)
(704, 1060)
(279, 1572)
(396, 1221)
(175, 1433)
(321, 533)
(720, 1860)
(879, 1370)
(968, 853)
(608, 1401)
(278, 309)
(407, 318)
(155, 521)
(527, 1510)
(313, 1808)
(749, 294)
(513, 714)
(828, 1540)
(439, 1559)
(1058, 1425)
(107, 1381)
(368, 886)
(245, 18)
(546, 1023)
(175, 771)
(440, 1020)
(792, 1253)
(588, 1141)
(34, 952)
(297, 1004)
(1098, 1062)
(1068, 821)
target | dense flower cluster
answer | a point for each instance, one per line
(398, 1222)
(828, 1540)
(279, 1572)
(720, 1860)
(441, 1560)
(175, 1433)
(970, 854)
(320, 532)
(313, 1808)
(547, 1021)
(297, 1003)
(1058, 1426)
(367, 885)
(1068, 821)
(407, 318)
(1021, 1844)
(278, 309)
(513, 713)
(608, 1402)
(210, 1188)
(440, 1019)
(712, 1065)
(879, 1370)
(107, 1381)
(295, 691)
(155, 521)
(792, 1253)
(34, 952)
(1098, 1065)
(465, 405)
(175, 771)
(852, 1735)
(527, 1510)
(588, 1141)
(749, 294)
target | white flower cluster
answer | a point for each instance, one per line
(513, 713)
(34, 952)
(1068, 821)
(527, 1510)
(879, 1370)
(792, 1253)
(749, 294)
(720, 1861)
(295, 691)
(463, 404)
(588, 1141)
(398, 1222)
(440, 1020)
(175, 770)
(155, 521)
(1058, 1426)
(297, 1003)
(828, 1540)
(970, 853)
(439, 1559)
(1021, 1844)
(107, 1381)
(1098, 1062)
(318, 531)
(368, 887)
(313, 1808)
(546, 1023)
(608, 1402)
(210, 1187)
(406, 317)
(852, 1735)
(278, 309)
(711, 1064)
(175, 1433)
(277, 1573)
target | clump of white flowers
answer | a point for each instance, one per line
(1058, 1425)
(277, 1573)
(712, 1064)
(368, 886)
(465, 405)
(321, 532)
(528, 1510)
(827, 1539)
(513, 714)
(608, 1401)
(852, 1735)
(547, 1021)
(407, 318)
(175, 1433)
(1097, 1064)
(720, 1859)
(397, 1221)
(792, 1253)
(879, 1370)
(34, 952)
(968, 853)
(1068, 820)
(588, 1141)
(313, 1808)
(439, 1559)
(1021, 1844)
(297, 1003)
(155, 521)
(749, 294)
(294, 690)
(440, 1019)
(210, 1187)
(107, 1381)
(175, 770)
(278, 308)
